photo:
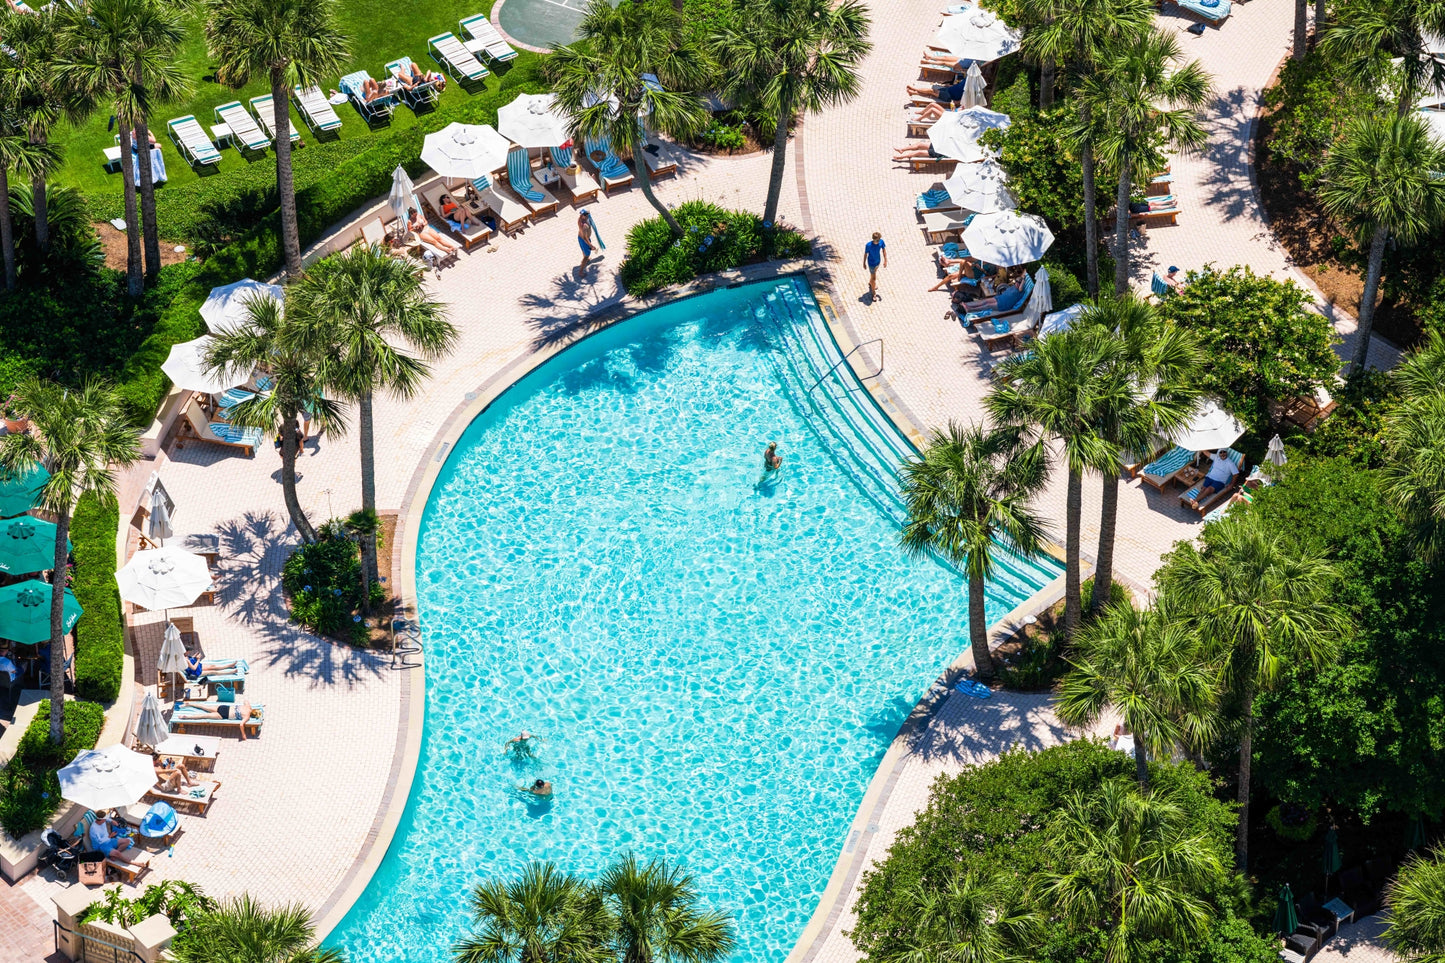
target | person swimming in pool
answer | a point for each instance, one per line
(521, 745)
(772, 461)
(540, 788)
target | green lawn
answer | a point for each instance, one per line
(380, 31)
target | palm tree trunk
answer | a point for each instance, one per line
(7, 230)
(644, 181)
(134, 278)
(1073, 523)
(369, 573)
(978, 626)
(1108, 523)
(290, 428)
(285, 185)
(1121, 230)
(1321, 16)
(1141, 761)
(1091, 216)
(57, 623)
(1301, 9)
(775, 173)
(1046, 85)
(37, 194)
(1367, 300)
(148, 199)
(1406, 101)
(1246, 751)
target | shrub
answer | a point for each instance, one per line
(655, 259)
(323, 585)
(1292, 822)
(100, 633)
(1044, 174)
(1015, 95)
(1309, 107)
(723, 136)
(29, 789)
(179, 901)
(1353, 429)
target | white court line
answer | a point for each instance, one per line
(563, 3)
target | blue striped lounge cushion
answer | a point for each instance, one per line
(1173, 460)
(234, 435)
(934, 198)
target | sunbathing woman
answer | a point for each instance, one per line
(172, 778)
(915, 152)
(928, 114)
(947, 61)
(1008, 298)
(944, 93)
(425, 232)
(371, 90)
(410, 77)
(962, 270)
(240, 710)
(458, 215)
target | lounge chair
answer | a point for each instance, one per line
(938, 225)
(469, 234)
(1160, 184)
(1214, 498)
(1159, 287)
(999, 332)
(424, 94)
(132, 870)
(917, 164)
(936, 199)
(186, 714)
(1212, 11)
(219, 432)
(1164, 469)
(656, 155)
(519, 175)
(1164, 208)
(456, 59)
(579, 182)
(371, 111)
(245, 135)
(494, 46)
(315, 109)
(265, 115)
(235, 678)
(511, 214)
(1017, 303)
(192, 142)
(198, 797)
(613, 172)
(1308, 412)
(112, 159)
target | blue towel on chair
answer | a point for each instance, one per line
(519, 173)
(562, 156)
(1173, 460)
(1002, 326)
(934, 198)
(969, 687)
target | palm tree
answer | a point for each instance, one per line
(970, 487)
(1369, 36)
(29, 160)
(602, 87)
(158, 31)
(1261, 606)
(1143, 102)
(357, 311)
(80, 435)
(1301, 27)
(268, 340)
(244, 931)
(971, 919)
(290, 41)
(1080, 34)
(544, 916)
(791, 57)
(656, 918)
(1152, 669)
(1414, 436)
(1157, 392)
(1128, 863)
(1416, 899)
(1060, 391)
(1380, 179)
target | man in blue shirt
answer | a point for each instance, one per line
(875, 252)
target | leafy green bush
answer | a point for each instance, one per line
(75, 249)
(1015, 96)
(723, 136)
(1354, 428)
(323, 585)
(1291, 821)
(716, 240)
(177, 900)
(1307, 110)
(29, 789)
(1044, 174)
(100, 633)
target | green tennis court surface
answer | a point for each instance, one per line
(542, 23)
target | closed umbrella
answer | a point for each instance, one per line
(19, 491)
(981, 188)
(1211, 429)
(158, 525)
(172, 659)
(1041, 301)
(163, 578)
(1007, 238)
(186, 367)
(956, 133)
(109, 778)
(978, 35)
(227, 307)
(973, 88)
(532, 121)
(27, 544)
(25, 612)
(151, 729)
(1286, 918)
(467, 151)
(1330, 858)
(1275, 455)
(403, 194)
(1415, 834)
(1060, 320)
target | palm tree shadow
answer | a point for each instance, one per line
(967, 731)
(572, 309)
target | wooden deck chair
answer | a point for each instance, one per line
(220, 432)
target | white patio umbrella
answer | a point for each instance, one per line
(163, 578)
(172, 660)
(1007, 238)
(1060, 320)
(186, 367)
(1041, 301)
(403, 194)
(978, 35)
(1275, 454)
(226, 306)
(980, 187)
(956, 133)
(151, 729)
(109, 778)
(158, 525)
(466, 151)
(1211, 429)
(532, 121)
(973, 88)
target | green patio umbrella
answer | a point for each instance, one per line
(1286, 919)
(17, 492)
(1415, 834)
(1330, 859)
(27, 544)
(25, 612)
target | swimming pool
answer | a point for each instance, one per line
(716, 661)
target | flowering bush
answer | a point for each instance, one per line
(323, 583)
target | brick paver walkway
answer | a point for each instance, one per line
(1362, 942)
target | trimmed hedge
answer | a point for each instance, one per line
(100, 634)
(655, 259)
(29, 789)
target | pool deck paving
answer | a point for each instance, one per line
(299, 810)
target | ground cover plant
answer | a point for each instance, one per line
(714, 239)
(29, 789)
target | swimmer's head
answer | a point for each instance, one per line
(539, 784)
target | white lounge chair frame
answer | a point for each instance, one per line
(191, 140)
(315, 109)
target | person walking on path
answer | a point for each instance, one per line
(875, 252)
(584, 238)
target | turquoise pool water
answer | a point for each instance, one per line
(716, 662)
